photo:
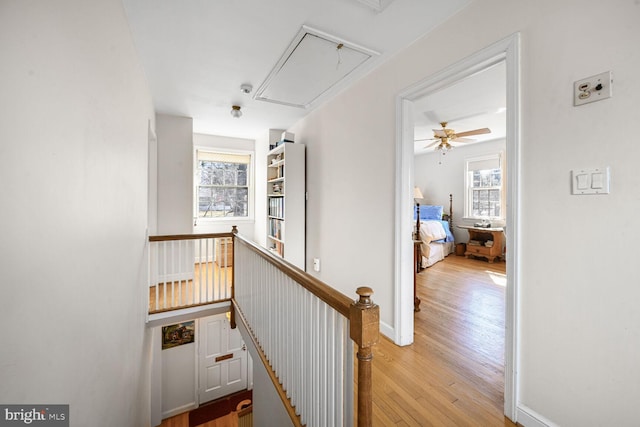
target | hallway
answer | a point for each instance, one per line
(453, 373)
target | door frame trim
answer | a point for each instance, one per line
(507, 50)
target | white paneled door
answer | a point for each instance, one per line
(222, 359)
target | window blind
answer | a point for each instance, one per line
(484, 164)
(223, 157)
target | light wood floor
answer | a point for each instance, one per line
(453, 374)
(182, 420)
(212, 283)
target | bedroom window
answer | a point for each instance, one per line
(484, 195)
(222, 184)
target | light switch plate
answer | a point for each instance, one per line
(590, 181)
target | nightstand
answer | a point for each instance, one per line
(478, 238)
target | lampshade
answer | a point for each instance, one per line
(417, 194)
(235, 111)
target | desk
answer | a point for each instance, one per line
(483, 235)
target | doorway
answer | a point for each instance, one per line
(506, 50)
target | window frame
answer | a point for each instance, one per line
(469, 189)
(250, 185)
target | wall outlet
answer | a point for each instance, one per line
(594, 88)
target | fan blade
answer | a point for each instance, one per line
(463, 140)
(473, 132)
(440, 133)
(432, 144)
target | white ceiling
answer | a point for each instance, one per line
(311, 66)
(197, 53)
(476, 102)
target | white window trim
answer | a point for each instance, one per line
(251, 197)
(467, 211)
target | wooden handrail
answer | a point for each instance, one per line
(337, 300)
(282, 393)
(170, 237)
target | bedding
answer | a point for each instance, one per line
(428, 212)
(430, 231)
(435, 252)
(435, 232)
(437, 241)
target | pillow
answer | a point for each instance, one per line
(429, 212)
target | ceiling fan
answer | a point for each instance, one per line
(443, 137)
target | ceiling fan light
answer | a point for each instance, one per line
(235, 111)
(444, 147)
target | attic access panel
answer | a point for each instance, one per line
(313, 63)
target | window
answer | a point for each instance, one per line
(222, 184)
(484, 196)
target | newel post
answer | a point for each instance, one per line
(365, 330)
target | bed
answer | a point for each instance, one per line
(434, 229)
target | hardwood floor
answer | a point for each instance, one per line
(182, 420)
(212, 283)
(453, 373)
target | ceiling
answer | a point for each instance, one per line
(476, 102)
(197, 53)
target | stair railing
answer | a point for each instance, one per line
(189, 270)
(304, 330)
(305, 333)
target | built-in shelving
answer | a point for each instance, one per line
(286, 202)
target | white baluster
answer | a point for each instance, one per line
(164, 267)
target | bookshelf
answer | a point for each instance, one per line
(286, 202)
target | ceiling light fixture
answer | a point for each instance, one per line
(235, 111)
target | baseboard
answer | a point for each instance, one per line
(529, 418)
(390, 332)
(179, 410)
(387, 330)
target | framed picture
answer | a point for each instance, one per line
(178, 334)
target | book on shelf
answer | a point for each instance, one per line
(283, 141)
(276, 207)
(275, 228)
(277, 248)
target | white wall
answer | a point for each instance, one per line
(74, 116)
(579, 339)
(178, 378)
(437, 176)
(175, 174)
(245, 227)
